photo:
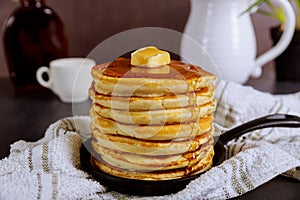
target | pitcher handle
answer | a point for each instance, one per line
(282, 44)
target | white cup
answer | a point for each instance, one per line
(69, 78)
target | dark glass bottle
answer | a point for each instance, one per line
(34, 35)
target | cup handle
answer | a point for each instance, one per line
(282, 44)
(39, 77)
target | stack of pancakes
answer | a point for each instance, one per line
(152, 123)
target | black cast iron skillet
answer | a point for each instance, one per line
(153, 188)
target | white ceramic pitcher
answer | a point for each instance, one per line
(229, 37)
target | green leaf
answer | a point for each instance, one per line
(256, 3)
(265, 12)
(271, 5)
(298, 4)
(280, 15)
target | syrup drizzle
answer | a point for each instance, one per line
(121, 67)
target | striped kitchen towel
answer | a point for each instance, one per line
(50, 167)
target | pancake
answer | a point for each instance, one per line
(164, 116)
(152, 132)
(203, 165)
(201, 97)
(153, 120)
(148, 147)
(118, 79)
(138, 162)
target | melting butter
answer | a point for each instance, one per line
(150, 57)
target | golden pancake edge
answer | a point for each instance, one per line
(128, 85)
(152, 123)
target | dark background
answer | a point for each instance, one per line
(90, 22)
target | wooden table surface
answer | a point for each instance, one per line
(26, 117)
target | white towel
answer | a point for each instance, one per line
(50, 167)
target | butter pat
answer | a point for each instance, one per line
(150, 57)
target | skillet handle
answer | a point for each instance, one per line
(274, 120)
